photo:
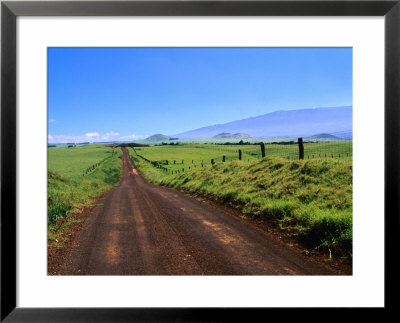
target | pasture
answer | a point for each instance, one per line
(194, 155)
(310, 199)
(70, 162)
(70, 191)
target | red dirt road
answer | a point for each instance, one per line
(144, 229)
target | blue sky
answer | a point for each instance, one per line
(101, 94)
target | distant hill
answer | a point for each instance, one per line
(344, 134)
(323, 137)
(157, 137)
(290, 123)
(227, 135)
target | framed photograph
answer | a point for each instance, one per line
(178, 160)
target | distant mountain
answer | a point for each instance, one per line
(157, 137)
(227, 135)
(290, 123)
(322, 136)
(344, 134)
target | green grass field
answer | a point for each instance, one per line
(68, 190)
(311, 150)
(310, 199)
(193, 155)
(71, 162)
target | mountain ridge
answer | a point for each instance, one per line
(228, 135)
(294, 123)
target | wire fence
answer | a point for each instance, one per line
(91, 168)
(177, 158)
(292, 150)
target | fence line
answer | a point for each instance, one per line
(95, 165)
(292, 150)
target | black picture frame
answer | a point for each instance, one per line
(10, 10)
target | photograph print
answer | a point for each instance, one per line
(200, 161)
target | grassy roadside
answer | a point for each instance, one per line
(308, 199)
(71, 192)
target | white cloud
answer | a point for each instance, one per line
(110, 135)
(92, 134)
(52, 120)
(134, 137)
(90, 137)
(54, 139)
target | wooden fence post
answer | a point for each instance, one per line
(262, 150)
(240, 154)
(301, 148)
